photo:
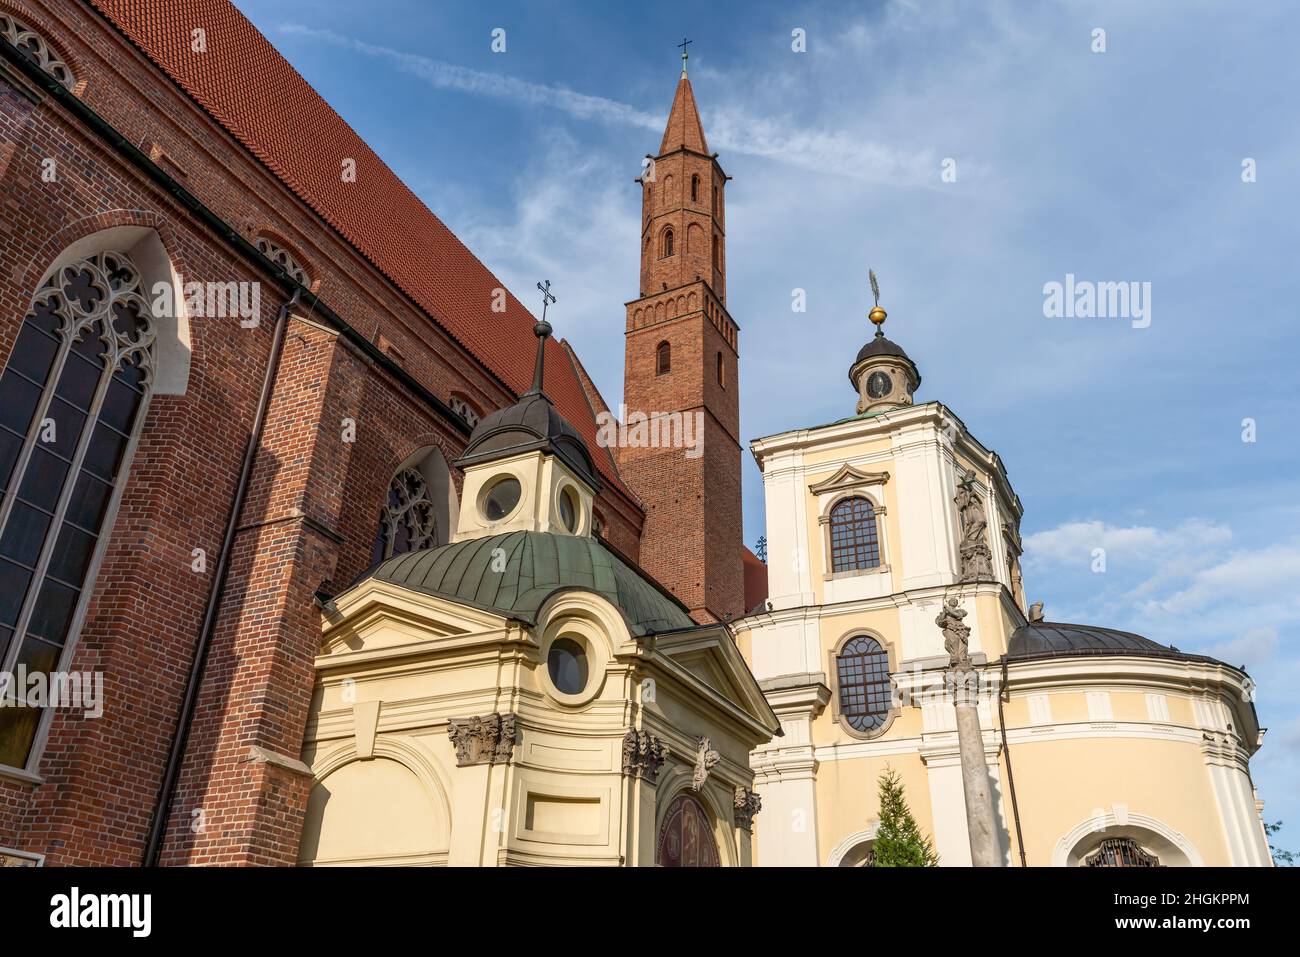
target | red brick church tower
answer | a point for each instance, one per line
(682, 358)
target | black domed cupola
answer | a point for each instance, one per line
(882, 373)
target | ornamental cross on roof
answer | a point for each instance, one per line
(685, 42)
(541, 329)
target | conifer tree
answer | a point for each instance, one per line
(899, 842)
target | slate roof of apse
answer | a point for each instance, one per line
(244, 83)
(1051, 639)
(537, 565)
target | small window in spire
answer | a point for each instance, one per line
(663, 358)
(721, 378)
(715, 201)
(667, 243)
(695, 189)
(716, 243)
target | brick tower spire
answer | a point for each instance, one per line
(681, 361)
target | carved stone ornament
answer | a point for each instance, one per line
(747, 804)
(643, 755)
(705, 759)
(846, 478)
(956, 634)
(976, 560)
(486, 740)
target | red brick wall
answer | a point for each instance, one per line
(310, 516)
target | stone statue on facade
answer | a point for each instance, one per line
(975, 558)
(956, 634)
(705, 759)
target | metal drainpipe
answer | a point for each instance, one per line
(162, 810)
(1006, 750)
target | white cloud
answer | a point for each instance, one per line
(1253, 648)
(838, 153)
(1072, 543)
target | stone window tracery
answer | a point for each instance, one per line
(408, 521)
(284, 259)
(72, 400)
(462, 408)
(37, 49)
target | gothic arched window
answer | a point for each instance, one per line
(855, 540)
(408, 521)
(72, 399)
(695, 189)
(663, 358)
(36, 48)
(668, 243)
(862, 675)
(721, 379)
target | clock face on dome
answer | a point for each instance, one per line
(879, 384)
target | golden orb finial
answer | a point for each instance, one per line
(876, 315)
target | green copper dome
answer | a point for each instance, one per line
(537, 565)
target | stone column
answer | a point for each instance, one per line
(962, 681)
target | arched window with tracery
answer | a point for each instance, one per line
(663, 358)
(667, 245)
(36, 48)
(686, 836)
(862, 676)
(855, 535)
(73, 397)
(461, 407)
(409, 518)
(284, 259)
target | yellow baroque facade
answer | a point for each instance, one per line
(522, 695)
(1102, 747)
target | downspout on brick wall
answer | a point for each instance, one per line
(193, 684)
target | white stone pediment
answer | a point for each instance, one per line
(846, 478)
(711, 658)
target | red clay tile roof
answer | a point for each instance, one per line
(684, 127)
(244, 83)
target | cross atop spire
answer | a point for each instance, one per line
(542, 329)
(685, 55)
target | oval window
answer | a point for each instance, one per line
(568, 510)
(501, 500)
(567, 664)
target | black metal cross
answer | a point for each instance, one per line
(546, 297)
(683, 45)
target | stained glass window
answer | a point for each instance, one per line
(71, 399)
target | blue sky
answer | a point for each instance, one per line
(1117, 166)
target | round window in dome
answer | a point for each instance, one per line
(567, 663)
(569, 510)
(501, 499)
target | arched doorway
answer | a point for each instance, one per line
(686, 836)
